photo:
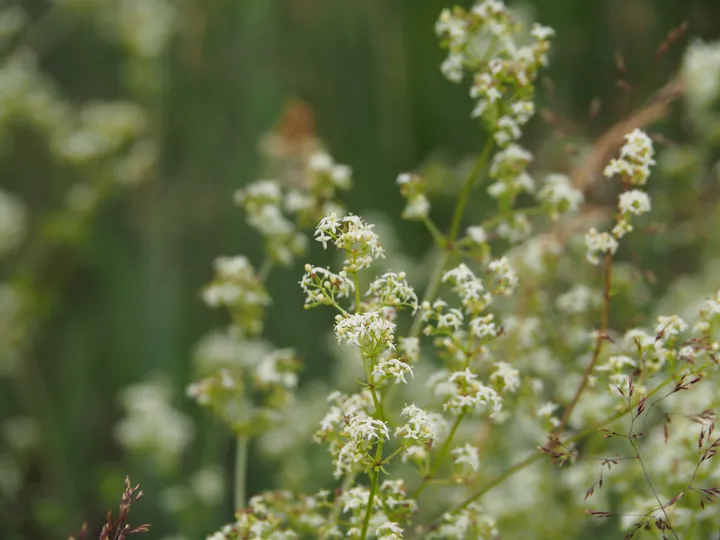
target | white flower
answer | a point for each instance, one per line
(701, 74)
(546, 409)
(483, 327)
(367, 428)
(391, 368)
(635, 159)
(504, 277)
(467, 455)
(477, 234)
(320, 285)
(559, 194)
(670, 326)
(410, 348)
(275, 368)
(369, 331)
(392, 289)
(354, 236)
(505, 377)
(579, 299)
(542, 33)
(389, 531)
(465, 393)
(599, 243)
(417, 208)
(634, 202)
(320, 162)
(452, 67)
(419, 426)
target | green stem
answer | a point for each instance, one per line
(373, 489)
(357, 295)
(465, 193)
(441, 456)
(395, 453)
(435, 232)
(240, 471)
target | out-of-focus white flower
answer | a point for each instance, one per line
(467, 455)
(634, 202)
(701, 74)
(559, 195)
(419, 425)
(636, 157)
(599, 243)
(151, 424)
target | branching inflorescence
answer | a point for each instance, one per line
(511, 345)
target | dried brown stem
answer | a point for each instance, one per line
(599, 340)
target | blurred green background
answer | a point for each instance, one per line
(119, 301)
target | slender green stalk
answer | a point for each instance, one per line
(373, 490)
(465, 193)
(241, 454)
(357, 294)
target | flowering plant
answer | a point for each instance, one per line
(513, 354)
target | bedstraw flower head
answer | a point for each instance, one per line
(354, 236)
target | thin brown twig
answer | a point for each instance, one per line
(599, 340)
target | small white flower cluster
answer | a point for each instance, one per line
(509, 171)
(102, 129)
(468, 455)
(421, 426)
(412, 188)
(385, 369)
(636, 157)
(578, 300)
(470, 522)
(354, 236)
(369, 331)
(477, 234)
(389, 508)
(236, 367)
(277, 515)
(237, 288)
(619, 370)
(515, 228)
(323, 164)
(152, 426)
(262, 203)
(321, 286)
(503, 280)
(358, 437)
(469, 288)
(392, 290)
(504, 71)
(277, 369)
(505, 378)
(634, 167)
(463, 393)
(701, 75)
(314, 194)
(598, 243)
(559, 196)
